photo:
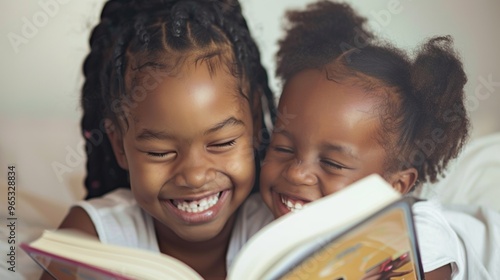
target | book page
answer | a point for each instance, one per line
(327, 215)
(382, 248)
(66, 269)
(64, 253)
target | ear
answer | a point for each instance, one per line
(403, 181)
(116, 139)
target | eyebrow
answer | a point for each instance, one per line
(231, 121)
(147, 134)
(326, 146)
(340, 148)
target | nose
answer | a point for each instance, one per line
(194, 171)
(300, 173)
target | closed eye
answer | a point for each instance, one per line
(161, 155)
(222, 146)
(283, 150)
(333, 165)
(225, 144)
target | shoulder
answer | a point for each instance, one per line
(430, 213)
(118, 198)
(438, 243)
(118, 219)
(119, 202)
(252, 216)
(85, 215)
(478, 228)
(255, 213)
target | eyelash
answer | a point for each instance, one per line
(158, 155)
(217, 146)
(225, 144)
(330, 164)
(327, 163)
(283, 150)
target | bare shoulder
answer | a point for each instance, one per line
(78, 218)
(442, 273)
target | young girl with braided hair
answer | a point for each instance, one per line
(174, 101)
(362, 107)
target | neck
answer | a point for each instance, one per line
(207, 257)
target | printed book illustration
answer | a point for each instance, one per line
(364, 231)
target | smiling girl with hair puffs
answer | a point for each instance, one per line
(362, 107)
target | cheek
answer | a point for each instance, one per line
(241, 167)
(269, 172)
(145, 181)
(242, 172)
(334, 186)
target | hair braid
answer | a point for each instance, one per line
(102, 169)
(133, 33)
(245, 45)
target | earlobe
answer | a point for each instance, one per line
(403, 181)
(116, 140)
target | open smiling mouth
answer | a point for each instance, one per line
(292, 204)
(196, 206)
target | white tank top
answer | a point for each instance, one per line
(119, 220)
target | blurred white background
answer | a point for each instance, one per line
(43, 44)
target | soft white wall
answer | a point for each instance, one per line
(42, 79)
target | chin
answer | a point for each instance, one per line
(201, 233)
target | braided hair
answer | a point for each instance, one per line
(161, 34)
(423, 119)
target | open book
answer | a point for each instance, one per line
(364, 231)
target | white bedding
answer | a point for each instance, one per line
(473, 178)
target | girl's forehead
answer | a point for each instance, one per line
(151, 74)
(315, 101)
(184, 96)
(318, 113)
(313, 88)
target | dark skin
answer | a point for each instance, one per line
(331, 142)
(189, 139)
(207, 257)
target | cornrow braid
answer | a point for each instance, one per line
(161, 34)
(103, 172)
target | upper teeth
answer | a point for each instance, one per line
(291, 205)
(196, 206)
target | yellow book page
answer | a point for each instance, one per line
(379, 249)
